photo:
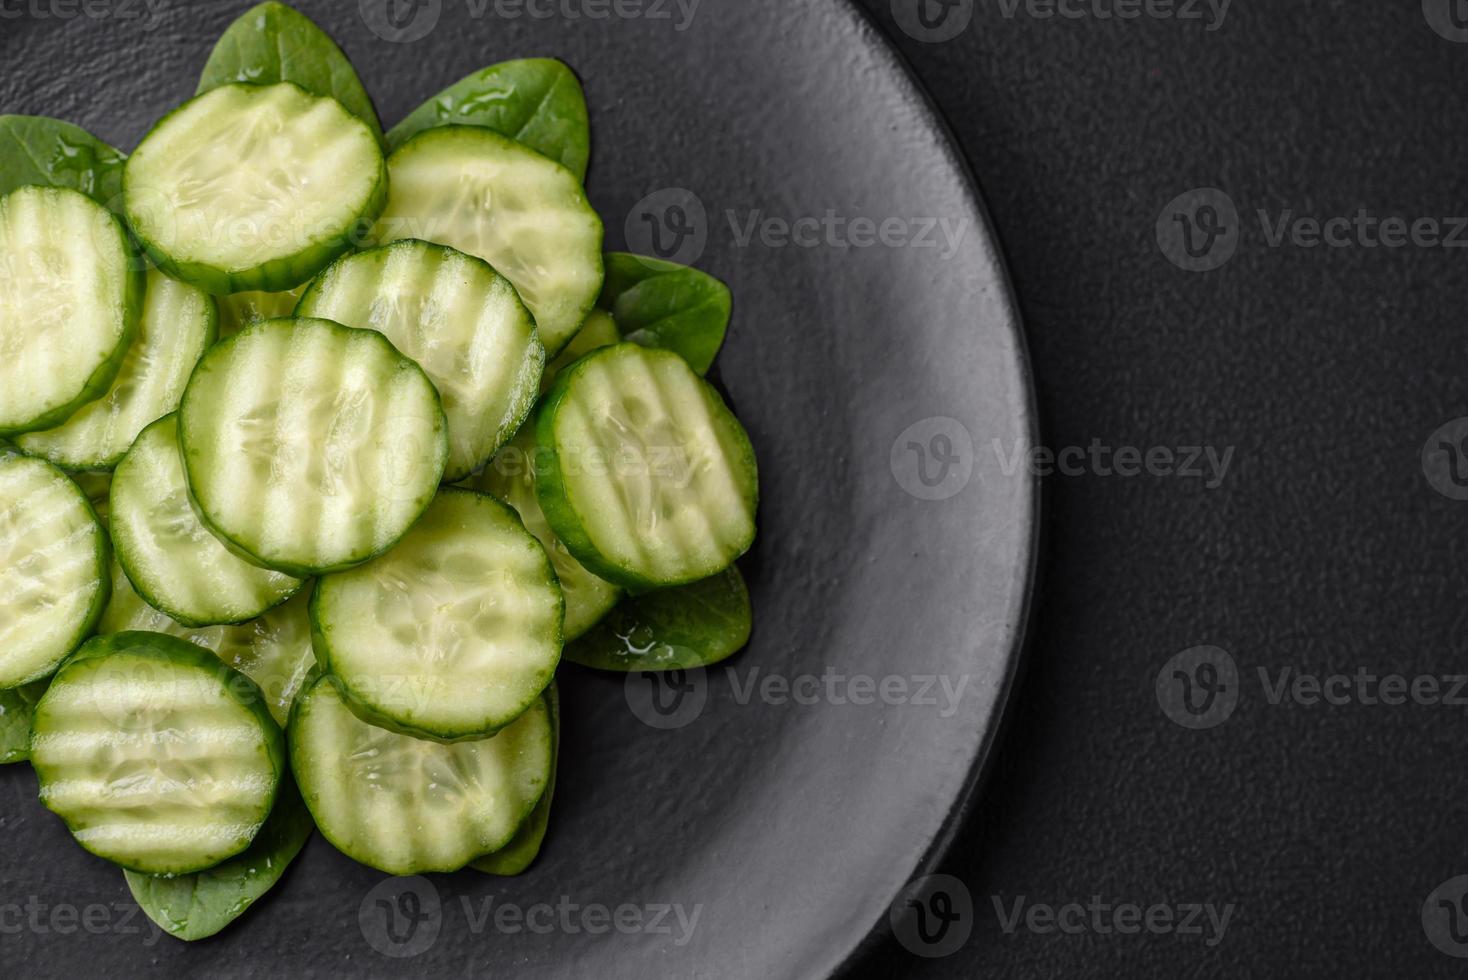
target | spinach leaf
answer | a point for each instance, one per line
(522, 851)
(663, 304)
(685, 627)
(51, 153)
(15, 720)
(275, 43)
(537, 101)
(199, 905)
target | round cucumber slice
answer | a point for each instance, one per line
(253, 187)
(53, 568)
(648, 478)
(459, 319)
(172, 559)
(274, 650)
(523, 213)
(524, 847)
(309, 446)
(510, 476)
(71, 294)
(177, 326)
(453, 633)
(409, 806)
(157, 756)
(685, 627)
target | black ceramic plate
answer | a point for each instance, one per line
(883, 380)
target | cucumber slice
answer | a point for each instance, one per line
(53, 568)
(71, 294)
(689, 626)
(16, 706)
(157, 756)
(98, 489)
(177, 326)
(667, 305)
(599, 330)
(648, 478)
(274, 651)
(460, 320)
(511, 478)
(408, 806)
(241, 310)
(452, 634)
(169, 555)
(253, 187)
(524, 214)
(309, 446)
(522, 850)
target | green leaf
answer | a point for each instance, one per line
(521, 852)
(537, 101)
(15, 720)
(199, 905)
(689, 626)
(663, 304)
(275, 43)
(51, 153)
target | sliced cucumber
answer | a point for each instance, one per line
(511, 478)
(178, 324)
(667, 305)
(648, 478)
(253, 187)
(453, 633)
(522, 850)
(241, 310)
(157, 756)
(274, 651)
(309, 446)
(172, 559)
(16, 706)
(599, 330)
(71, 294)
(98, 489)
(408, 806)
(689, 626)
(523, 213)
(53, 568)
(459, 319)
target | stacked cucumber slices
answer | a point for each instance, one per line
(323, 447)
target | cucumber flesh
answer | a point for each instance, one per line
(522, 850)
(157, 756)
(460, 320)
(16, 706)
(510, 476)
(253, 187)
(408, 806)
(71, 294)
(451, 635)
(240, 310)
(524, 214)
(648, 478)
(685, 627)
(599, 330)
(172, 559)
(53, 568)
(309, 446)
(177, 326)
(97, 487)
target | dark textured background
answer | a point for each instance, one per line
(1325, 549)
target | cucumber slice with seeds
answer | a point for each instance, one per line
(53, 568)
(309, 446)
(510, 476)
(459, 319)
(157, 756)
(253, 187)
(172, 559)
(648, 478)
(409, 806)
(452, 634)
(686, 627)
(177, 326)
(71, 294)
(524, 214)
